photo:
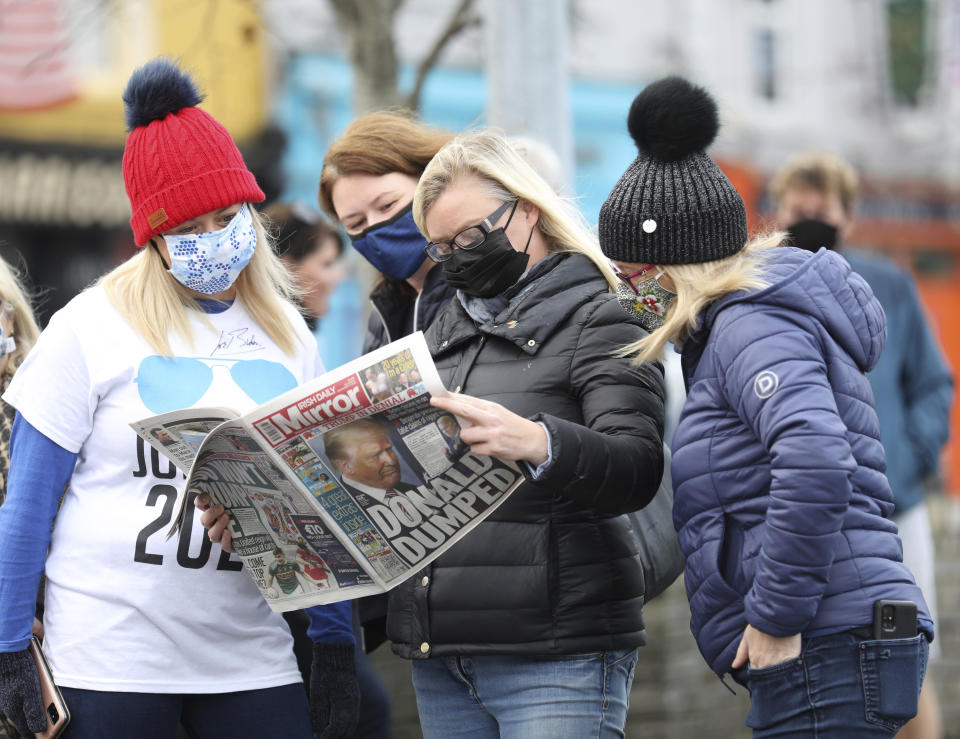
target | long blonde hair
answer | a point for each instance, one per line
(487, 155)
(25, 330)
(156, 305)
(698, 285)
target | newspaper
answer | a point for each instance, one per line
(342, 487)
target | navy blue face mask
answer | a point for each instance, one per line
(394, 246)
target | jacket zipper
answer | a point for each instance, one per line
(386, 329)
(416, 308)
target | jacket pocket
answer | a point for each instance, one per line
(891, 671)
(731, 553)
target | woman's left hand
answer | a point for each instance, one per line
(496, 432)
(762, 650)
(216, 521)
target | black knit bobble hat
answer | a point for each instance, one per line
(673, 205)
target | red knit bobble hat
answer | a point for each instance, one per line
(178, 163)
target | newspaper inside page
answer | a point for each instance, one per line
(288, 548)
(178, 435)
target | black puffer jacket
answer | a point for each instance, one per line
(554, 570)
(395, 316)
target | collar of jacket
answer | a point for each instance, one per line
(537, 306)
(394, 311)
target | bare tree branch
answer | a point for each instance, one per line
(459, 22)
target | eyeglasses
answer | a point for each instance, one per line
(470, 237)
(628, 279)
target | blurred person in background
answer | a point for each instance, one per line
(18, 333)
(139, 635)
(780, 502)
(815, 194)
(544, 160)
(311, 249)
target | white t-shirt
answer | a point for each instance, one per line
(127, 609)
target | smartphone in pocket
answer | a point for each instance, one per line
(894, 619)
(55, 708)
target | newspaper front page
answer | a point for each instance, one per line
(342, 487)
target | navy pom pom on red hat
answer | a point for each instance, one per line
(156, 90)
(178, 162)
(673, 205)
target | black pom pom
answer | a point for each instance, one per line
(155, 90)
(671, 119)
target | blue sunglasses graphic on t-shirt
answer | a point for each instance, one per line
(170, 384)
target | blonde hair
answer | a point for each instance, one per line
(822, 171)
(156, 305)
(698, 285)
(488, 156)
(25, 330)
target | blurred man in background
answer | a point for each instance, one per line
(815, 194)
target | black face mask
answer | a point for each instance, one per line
(489, 269)
(811, 234)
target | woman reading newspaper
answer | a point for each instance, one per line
(142, 632)
(530, 625)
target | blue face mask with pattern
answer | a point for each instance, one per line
(211, 262)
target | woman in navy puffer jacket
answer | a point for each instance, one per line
(781, 503)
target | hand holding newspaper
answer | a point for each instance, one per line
(342, 487)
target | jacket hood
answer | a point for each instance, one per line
(824, 287)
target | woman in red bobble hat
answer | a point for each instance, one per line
(145, 633)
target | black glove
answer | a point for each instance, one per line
(20, 699)
(334, 694)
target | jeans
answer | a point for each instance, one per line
(841, 685)
(268, 713)
(576, 696)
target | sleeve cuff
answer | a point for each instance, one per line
(534, 474)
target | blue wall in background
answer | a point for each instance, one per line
(313, 106)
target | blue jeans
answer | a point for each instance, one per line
(841, 685)
(270, 713)
(576, 696)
